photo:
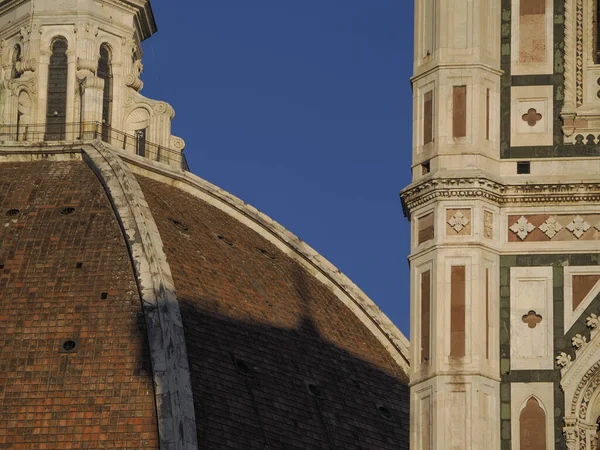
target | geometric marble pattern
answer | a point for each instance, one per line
(578, 226)
(522, 227)
(553, 227)
(458, 221)
(550, 227)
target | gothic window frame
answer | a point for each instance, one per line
(520, 394)
(524, 405)
(56, 128)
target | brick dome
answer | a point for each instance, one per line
(142, 307)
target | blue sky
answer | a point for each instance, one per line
(302, 109)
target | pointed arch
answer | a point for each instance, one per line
(105, 73)
(532, 425)
(56, 112)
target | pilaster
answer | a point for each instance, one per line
(455, 373)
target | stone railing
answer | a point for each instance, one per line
(87, 131)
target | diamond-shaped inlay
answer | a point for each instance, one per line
(578, 226)
(522, 227)
(458, 221)
(550, 227)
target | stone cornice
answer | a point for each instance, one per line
(6, 5)
(142, 9)
(145, 21)
(450, 188)
(450, 66)
(481, 187)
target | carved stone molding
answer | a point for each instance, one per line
(497, 193)
(134, 82)
(92, 82)
(563, 360)
(522, 227)
(28, 82)
(580, 382)
(578, 341)
(578, 226)
(458, 221)
(86, 29)
(177, 143)
(488, 224)
(580, 112)
(556, 227)
(579, 53)
(163, 108)
(550, 227)
(568, 65)
(28, 31)
(87, 65)
(27, 65)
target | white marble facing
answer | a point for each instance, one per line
(531, 290)
(571, 316)
(523, 99)
(518, 67)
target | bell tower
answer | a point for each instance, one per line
(454, 260)
(70, 72)
(505, 287)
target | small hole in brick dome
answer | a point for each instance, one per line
(104, 295)
(265, 253)
(12, 212)
(68, 345)
(67, 211)
(384, 412)
(313, 389)
(79, 265)
(225, 240)
(243, 368)
(179, 225)
(1, 266)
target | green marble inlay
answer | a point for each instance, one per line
(562, 341)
